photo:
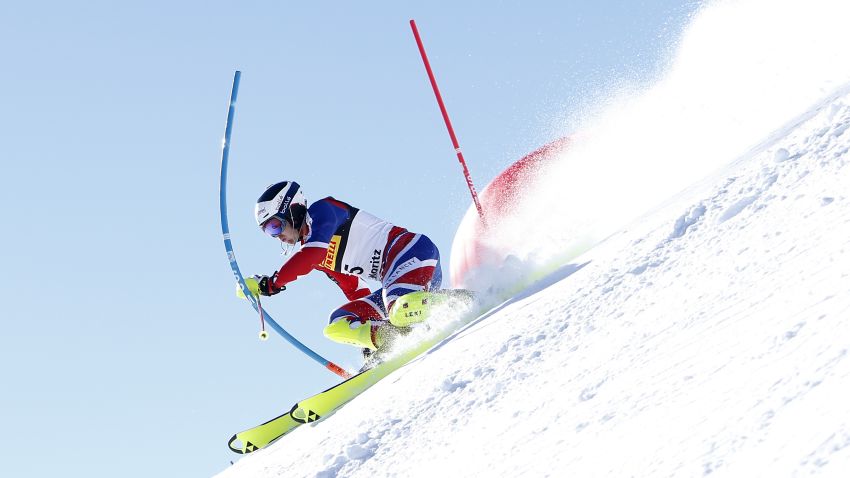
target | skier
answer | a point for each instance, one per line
(349, 246)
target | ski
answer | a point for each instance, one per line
(325, 403)
(261, 435)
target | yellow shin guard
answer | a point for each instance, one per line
(351, 333)
(413, 308)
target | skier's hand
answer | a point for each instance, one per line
(266, 285)
(253, 287)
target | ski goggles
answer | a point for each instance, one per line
(274, 226)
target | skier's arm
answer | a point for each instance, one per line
(326, 219)
(352, 286)
(301, 263)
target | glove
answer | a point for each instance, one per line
(266, 287)
(256, 286)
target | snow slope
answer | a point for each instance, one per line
(709, 336)
(712, 336)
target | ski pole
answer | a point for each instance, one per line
(228, 246)
(448, 122)
(263, 334)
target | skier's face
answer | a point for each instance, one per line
(289, 235)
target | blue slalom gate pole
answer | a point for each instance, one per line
(228, 246)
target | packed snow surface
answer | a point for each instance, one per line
(709, 335)
(712, 335)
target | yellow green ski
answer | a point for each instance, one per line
(323, 404)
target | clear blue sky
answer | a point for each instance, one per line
(123, 350)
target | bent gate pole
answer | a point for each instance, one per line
(228, 246)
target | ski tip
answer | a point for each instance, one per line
(241, 448)
(234, 449)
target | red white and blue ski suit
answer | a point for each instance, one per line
(351, 246)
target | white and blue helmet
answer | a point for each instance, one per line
(284, 200)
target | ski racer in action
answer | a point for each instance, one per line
(349, 246)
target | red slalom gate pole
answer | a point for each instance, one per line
(447, 120)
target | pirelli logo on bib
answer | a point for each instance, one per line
(333, 251)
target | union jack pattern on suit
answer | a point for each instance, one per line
(351, 246)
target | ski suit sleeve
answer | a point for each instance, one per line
(353, 287)
(326, 219)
